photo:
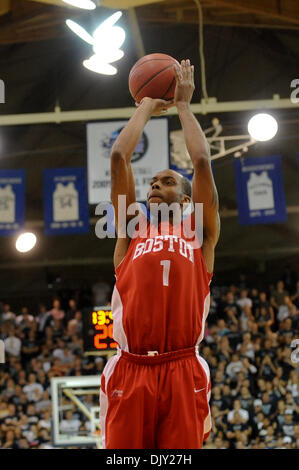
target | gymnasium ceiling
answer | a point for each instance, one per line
(252, 52)
(34, 20)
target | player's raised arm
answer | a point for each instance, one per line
(203, 185)
(122, 180)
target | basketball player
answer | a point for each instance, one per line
(155, 391)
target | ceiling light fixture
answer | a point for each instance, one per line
(85, 4)
(106, 40)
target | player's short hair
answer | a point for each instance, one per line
(186, 186)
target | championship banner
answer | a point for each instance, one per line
(12, 201)
(260, 190)
(65, 201)
(150, 156)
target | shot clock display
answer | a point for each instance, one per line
(98, 330)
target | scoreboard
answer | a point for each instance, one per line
(98, 330)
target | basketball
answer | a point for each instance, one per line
(153, 76)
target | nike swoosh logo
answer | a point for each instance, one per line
(196, 391)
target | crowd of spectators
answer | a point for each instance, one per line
(247, 344)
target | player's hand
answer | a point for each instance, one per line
(184, 89)
(157, 106)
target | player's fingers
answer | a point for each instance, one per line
(165, 105)
(192, 73)
(168, 104)
(188, 70)
(183, 67)
(178, 73)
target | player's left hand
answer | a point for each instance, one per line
(184, 89)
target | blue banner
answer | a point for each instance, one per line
(12, 201)
(183, 171)
(65, 201)
(260, 190)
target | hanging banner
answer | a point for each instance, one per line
(65, 201)
(12, 201)
(150, 156)
(260, 190)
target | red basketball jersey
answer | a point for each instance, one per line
(161, 297)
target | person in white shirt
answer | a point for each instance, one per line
(237, 409)
(287, 309)
(45, 423)
(234, 367)
(7, 314)
(244, 300)
(13, 344)
(247, 347)
(44, 403)
(58, 352)
(25, 317)
(69, 425)
(33, 390)
(63, 353)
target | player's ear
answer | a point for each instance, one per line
(185, 199)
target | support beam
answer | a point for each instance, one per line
(211, 106)
(70, 394)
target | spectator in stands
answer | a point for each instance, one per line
(233, 367)
(70, 313)
(13, 344)
(56, 312)
(43, 319)
(70, 425)
(244, 300)
(33, 390)
(279, 294)
(7, 314)
(30, 347)
(75, 325)
(238, 411)
(24, 319)
(265, 320)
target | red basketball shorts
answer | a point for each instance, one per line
(155, 402)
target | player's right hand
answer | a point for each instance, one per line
(157, 106)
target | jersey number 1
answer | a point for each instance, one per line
(166, 268)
